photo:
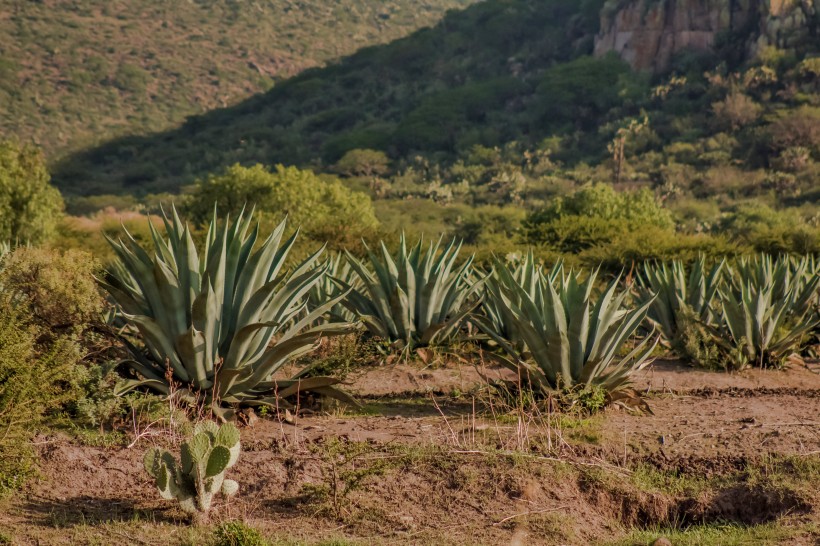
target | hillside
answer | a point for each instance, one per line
(474, 73)
(471, 80)
(75, 74)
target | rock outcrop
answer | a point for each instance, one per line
(648, 33)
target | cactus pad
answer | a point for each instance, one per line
(229, 488)
(199, 446)
(217, 461)
(207, 427)
(151, 461)
(228, 436)
(186, 459)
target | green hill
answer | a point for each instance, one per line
(501, 72)
(75, 74)
(470, 79)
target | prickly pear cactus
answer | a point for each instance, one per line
(200, 472)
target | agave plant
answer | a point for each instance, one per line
(222, 321)
(787, 275)
(417, 298)
(766, 311)
(528, 274)
(330, 287)
(674, 294)
(568, 338)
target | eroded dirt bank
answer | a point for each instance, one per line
(428, 467)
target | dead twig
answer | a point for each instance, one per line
(528, 513)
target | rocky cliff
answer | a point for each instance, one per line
(648, 33)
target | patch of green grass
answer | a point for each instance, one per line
(649, 478)
(236, 533)
(712, 535)
(795, 471)
(94, 437)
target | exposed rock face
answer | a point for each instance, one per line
(647, 33)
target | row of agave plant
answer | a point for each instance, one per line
(755, 311)
(220, 322)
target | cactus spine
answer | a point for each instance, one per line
(200, 472)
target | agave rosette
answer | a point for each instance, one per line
(567, 337)
(671, 290)
(416, 299)
(766, 310)
(224, 320)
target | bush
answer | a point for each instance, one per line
(57, 289)
(602, 201)
(34, 380)
(597, 215)
(19, 398)
(30, 206)
(365, 162)
(58, 295)
(769, 230)
(799, 127)
(322, 206)
(736, 110)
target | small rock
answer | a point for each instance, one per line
(662, 541)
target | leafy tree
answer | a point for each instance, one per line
(320, 205)
(29, 205)
(736, 110)
(363, 162)
(603, 201)
(594, 214)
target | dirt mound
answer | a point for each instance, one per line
(735, 392)
(743, 504)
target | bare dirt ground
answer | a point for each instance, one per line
(428, 461)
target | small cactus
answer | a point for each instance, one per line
(200, 472)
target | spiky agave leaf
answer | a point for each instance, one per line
(766, 311)
(527, 273)
(417, 298)
(339, 274)
(670, 289)
(225, 319)
(568, 337)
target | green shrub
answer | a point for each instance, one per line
(597, 215)
(57, 289)
(363, 162)
(58, 293)
(602, 201)
(34, 380)
(323, 206)
(30, 206)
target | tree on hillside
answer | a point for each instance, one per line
(320, 205)
(29, 205)
(363, 162)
